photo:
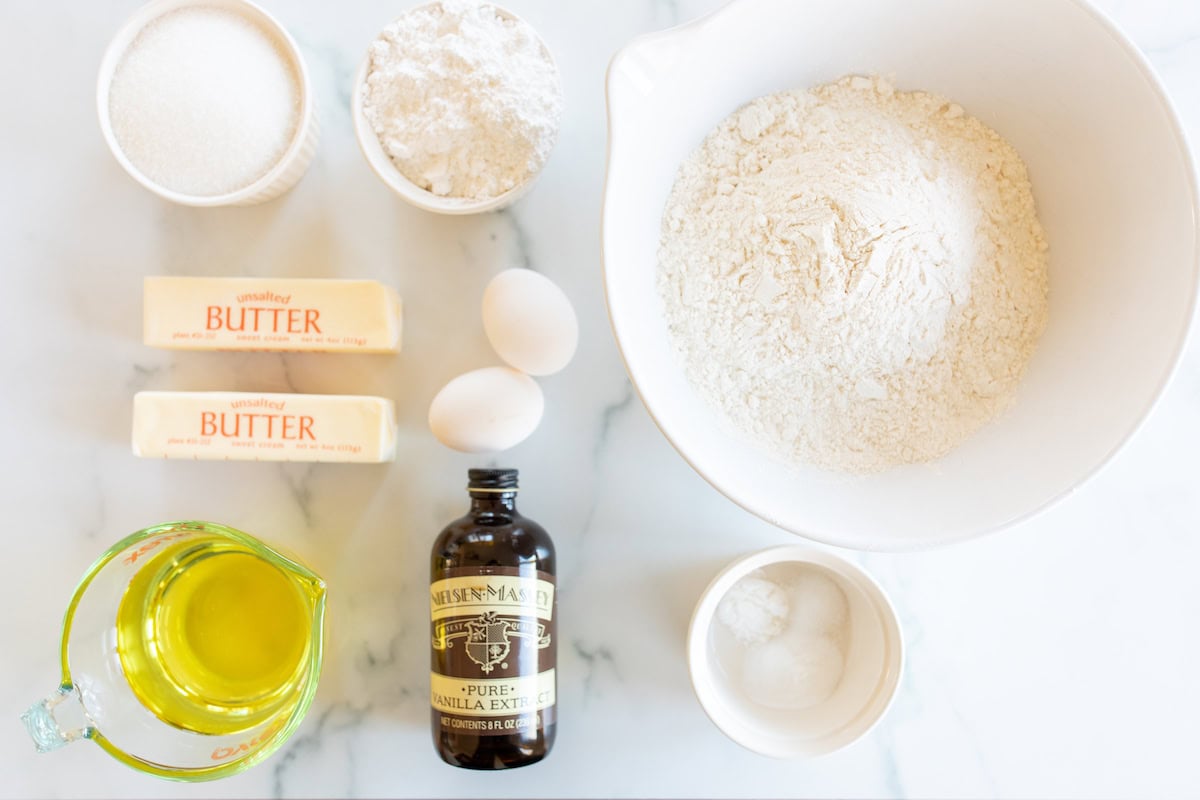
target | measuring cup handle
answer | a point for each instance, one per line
(44, 727)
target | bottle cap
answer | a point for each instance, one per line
(492, 480)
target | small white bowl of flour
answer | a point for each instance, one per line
(457, 105)
(794, 652)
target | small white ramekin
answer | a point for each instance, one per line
(383, 166)
(296, 158)
(874, 663)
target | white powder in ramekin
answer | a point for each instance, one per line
(464, 100)
(204, 102)
(754, 610)
(792, 630)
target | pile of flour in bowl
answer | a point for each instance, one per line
(464, 98)
(855, 275)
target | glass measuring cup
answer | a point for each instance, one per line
(190, 651)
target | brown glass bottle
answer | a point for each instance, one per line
(493, 617)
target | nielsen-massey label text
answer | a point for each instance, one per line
(497, 592)
(493, 669)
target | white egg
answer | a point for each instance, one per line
(486, 410)
(530, 321)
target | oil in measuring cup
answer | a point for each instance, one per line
(213, 637)
(190, 651)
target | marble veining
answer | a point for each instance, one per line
(1055, 659)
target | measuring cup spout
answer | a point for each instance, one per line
(45, 728)
(311, 587)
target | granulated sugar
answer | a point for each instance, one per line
(854, 275)
(204, 102)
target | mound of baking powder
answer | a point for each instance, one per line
(465, 101)
(855, 275)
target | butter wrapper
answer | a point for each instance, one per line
(290, 314)
(246, 426)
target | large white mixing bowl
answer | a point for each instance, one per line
(1116, 191)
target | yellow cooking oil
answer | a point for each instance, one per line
(213, 637)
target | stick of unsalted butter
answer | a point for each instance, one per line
(245, 426)
(311, 314)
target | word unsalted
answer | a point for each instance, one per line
(238, 426)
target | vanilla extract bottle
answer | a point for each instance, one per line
(492, 611)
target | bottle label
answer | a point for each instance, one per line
(493, 670)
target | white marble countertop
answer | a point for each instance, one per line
(1057, 659)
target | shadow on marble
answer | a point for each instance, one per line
(219, 242)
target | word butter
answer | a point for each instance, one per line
(271, 314)
(237, 426)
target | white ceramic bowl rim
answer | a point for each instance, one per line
(837, 538)
(116, 50)
(850, 731)
(383, 166)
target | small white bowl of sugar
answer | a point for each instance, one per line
(794, 652)
(457, 105)
(207, 103)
